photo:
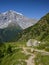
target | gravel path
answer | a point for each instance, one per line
(30, 60)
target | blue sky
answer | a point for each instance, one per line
(30, 8)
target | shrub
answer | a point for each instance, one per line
(9, 49)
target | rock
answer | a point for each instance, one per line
(29, 43)
(32, 42)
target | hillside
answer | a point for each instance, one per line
(10, 34)
(39, 31)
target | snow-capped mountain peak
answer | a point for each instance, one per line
(14, 17)
(10, 11)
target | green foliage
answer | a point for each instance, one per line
(13, 54)
(47, 49)
(9, 49)
(41, 59)
(10, 34)
(1, 54)
(1, 42)
(39, 31)
(43, 45)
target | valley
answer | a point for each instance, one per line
(23, 41)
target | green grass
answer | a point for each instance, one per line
(16, 44)
(43, 46)
(16, 57)
(41, 59)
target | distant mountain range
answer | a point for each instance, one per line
(15, 26)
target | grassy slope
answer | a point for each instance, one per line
(14, 58)
(41, 59)
(39, 31)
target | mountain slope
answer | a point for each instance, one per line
(39, 31)
(11, 25)
(10, 34)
